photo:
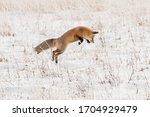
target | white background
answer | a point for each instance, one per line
(116, 66)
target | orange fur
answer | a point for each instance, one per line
(75, 34)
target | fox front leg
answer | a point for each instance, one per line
(88, 41)
(81, 40)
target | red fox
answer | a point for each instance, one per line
(75, 34)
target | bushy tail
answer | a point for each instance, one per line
(50, 43)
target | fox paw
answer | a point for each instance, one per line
(56, 61)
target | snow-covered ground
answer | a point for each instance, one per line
(116, 66)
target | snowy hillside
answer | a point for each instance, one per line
(116, 66)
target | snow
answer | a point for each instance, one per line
(116, 66)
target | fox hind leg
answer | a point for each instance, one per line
(55, 55)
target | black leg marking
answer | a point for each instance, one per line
(80, 39)
(88, 41)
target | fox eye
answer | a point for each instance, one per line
(95, 32)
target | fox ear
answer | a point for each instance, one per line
(95, 32)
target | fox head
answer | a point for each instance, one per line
(90, 37)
